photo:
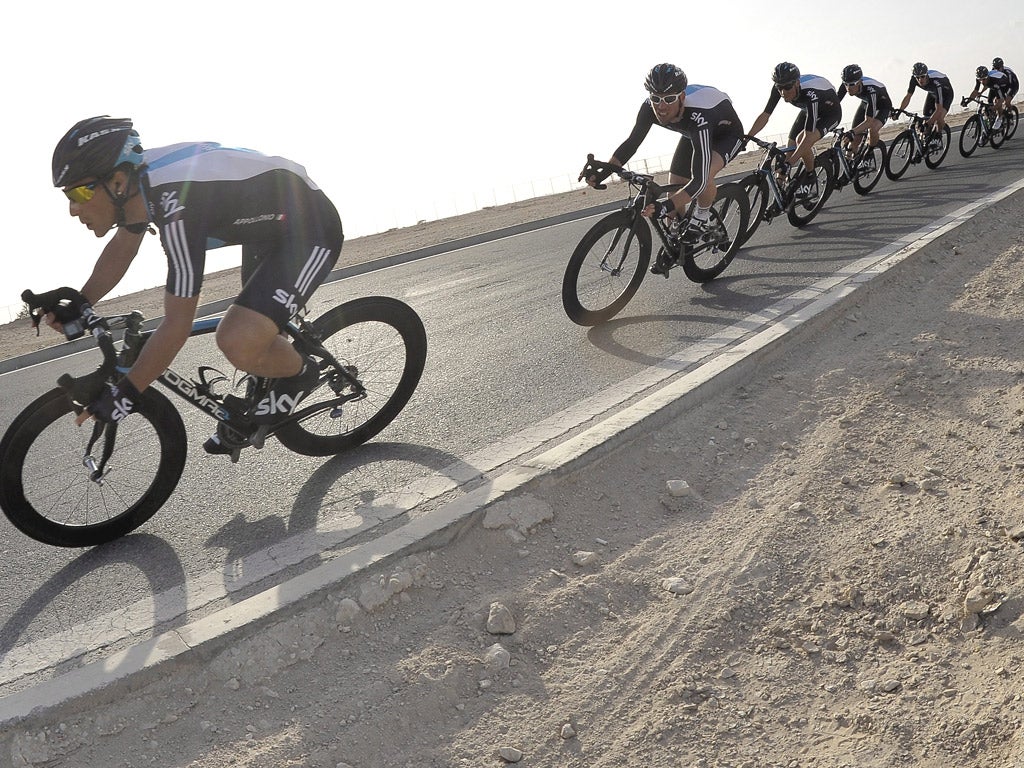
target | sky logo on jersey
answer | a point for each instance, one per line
(169, 202)
(282, 296)
(698, 119)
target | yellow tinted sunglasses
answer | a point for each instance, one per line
(82, 193)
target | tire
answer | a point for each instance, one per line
(901, 152)
(871, 167)
(934, 159)
(606, 268)
(383, 341)
(727, 223)
(1011, 116)
(970, 135)
(756, 188)
(996, 138)
(801, 213)
(46, 491)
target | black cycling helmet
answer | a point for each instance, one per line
(920, 69)
(997, 63)
(665, 78)
(981, 72)
(852, 73)
(786, 73)
(95, 147)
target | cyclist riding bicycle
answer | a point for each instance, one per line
(939, 99)
(201, 195)
(712, 135)
(817, 99)
(875, 104)
(999, 66)
(997, 84)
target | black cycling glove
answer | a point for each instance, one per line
(115, 402)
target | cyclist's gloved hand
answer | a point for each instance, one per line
(599, 176)
(91, 320)
(115, 402)
(662, 208)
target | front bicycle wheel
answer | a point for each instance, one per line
(727, 222)
(901, 153)
(606, 269)
(933, 157)
(755, 186)
(870, 165)
(996, 138)
(51, 488)
(970, 136)
(381, 342)
(800, 212)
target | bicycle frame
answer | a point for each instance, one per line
(228, 408)
(985, 114)
(771, 152)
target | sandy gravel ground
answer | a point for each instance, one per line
(840, 586)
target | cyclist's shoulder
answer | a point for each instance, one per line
(872, 84)
(816, 83)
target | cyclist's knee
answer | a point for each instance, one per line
(245, 337)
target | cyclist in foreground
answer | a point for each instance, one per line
(939, 98)
(998, 85)
(817, 99)
(874, 108)
(200, 196)
(712, 135)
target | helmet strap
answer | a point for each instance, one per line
(121, 199)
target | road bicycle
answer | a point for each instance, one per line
(72, 486)
(772, 188)
(914, 144)
(978, 130)
(609, 263)
(863, 168)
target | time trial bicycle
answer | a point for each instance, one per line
(978, 130)
(73, 486)
(914, 144)
(609, 263)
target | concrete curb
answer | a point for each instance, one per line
(794, 318)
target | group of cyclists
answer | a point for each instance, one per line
(712, 132)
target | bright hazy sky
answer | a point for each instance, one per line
(402, 110)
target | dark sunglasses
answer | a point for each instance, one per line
(667, 98)
(83, 192)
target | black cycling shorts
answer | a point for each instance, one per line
(728, 145)
(947, 101)
(278, 277)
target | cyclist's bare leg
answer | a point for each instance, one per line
(804, 150)
(252, 343)
(870, 126)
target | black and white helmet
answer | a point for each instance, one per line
(665, 78)
(920, 69)
(997, 63)
(95, 148)
(786, 73)
(852, 73)
(981, 72)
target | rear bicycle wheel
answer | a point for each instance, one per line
(933, 157)
(901, 152)
(1011, 116)
(970, 135)
(380, 341)
(606, 268)
(755, 186)
(47, 487)
(726, 224)
(801, 212)
(870, 165)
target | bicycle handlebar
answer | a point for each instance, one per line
(595, 168)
